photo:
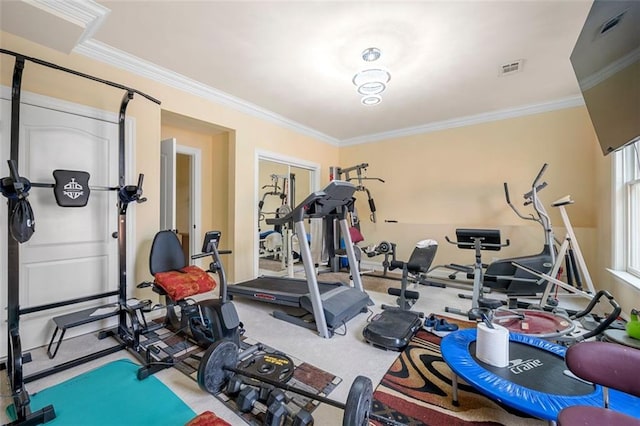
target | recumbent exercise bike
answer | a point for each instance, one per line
(205, 321)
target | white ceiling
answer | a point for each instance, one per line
(293, 61)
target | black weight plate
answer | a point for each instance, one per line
(212, 372)
(272, 366)
(358, 406)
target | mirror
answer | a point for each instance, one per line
(281, 186)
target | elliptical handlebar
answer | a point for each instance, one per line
(528, 197)
(506, 193)
(539, 176)
(517, 212)
(542, 218)
(531, 198)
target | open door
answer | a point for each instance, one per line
(168, 184)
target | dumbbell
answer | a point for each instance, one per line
(277, 411)
(219, 364)
(274, 406)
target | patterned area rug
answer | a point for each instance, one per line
(305, 376)
(417, 391)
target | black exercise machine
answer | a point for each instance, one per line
(477, 240)
(324, 306)
(502, 275)
(394, 327)
(386, 248)
(418, 276)
(342, 173)
(129, 328)
(204, 322)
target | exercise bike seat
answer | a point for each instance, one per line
(172, 275)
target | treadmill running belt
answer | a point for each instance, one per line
(282, 291)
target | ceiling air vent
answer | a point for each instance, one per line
(511, 67)
(611, 23)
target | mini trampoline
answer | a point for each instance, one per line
(534, 382)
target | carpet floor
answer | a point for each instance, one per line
(417, 390)
(304, 376)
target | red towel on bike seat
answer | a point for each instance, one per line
(186, 282)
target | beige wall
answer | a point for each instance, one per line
(435, 182)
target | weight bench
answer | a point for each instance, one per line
(396, 325)
(86, 316)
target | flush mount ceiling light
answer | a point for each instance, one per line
(371, 82)
(371, 54)
(371, 100)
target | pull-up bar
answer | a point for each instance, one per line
(128, 330)
(78, 73)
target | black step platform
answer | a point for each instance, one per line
(392, 329)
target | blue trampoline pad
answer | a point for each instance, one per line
(534, 382)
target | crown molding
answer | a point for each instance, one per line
(90, 15)
(119, 59)
(469, 120)
(83, 13)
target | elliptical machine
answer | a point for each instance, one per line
(502, 274)
(477, 240)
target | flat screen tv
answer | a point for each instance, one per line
(606, 61)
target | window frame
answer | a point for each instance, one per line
(626, 214)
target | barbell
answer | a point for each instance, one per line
(219, 365)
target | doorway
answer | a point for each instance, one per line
(180, 191)
(281, 183)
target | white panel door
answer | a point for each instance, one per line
(168, 184)
(72, 252)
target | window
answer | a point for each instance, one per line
(627, 211)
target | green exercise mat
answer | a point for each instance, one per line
(112, 395)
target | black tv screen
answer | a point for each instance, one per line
(606, 61)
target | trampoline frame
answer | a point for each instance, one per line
(455, 352)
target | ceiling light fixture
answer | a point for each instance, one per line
(371, 54)
(371, 100)
(371, 82)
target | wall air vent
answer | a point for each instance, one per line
(511, 67)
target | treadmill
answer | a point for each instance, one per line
(325, 306)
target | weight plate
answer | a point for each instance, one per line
(272, 366)
(358, 406)
(14, 363)
(384, 247)
(212, 371)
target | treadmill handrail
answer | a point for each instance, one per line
(332, 198)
